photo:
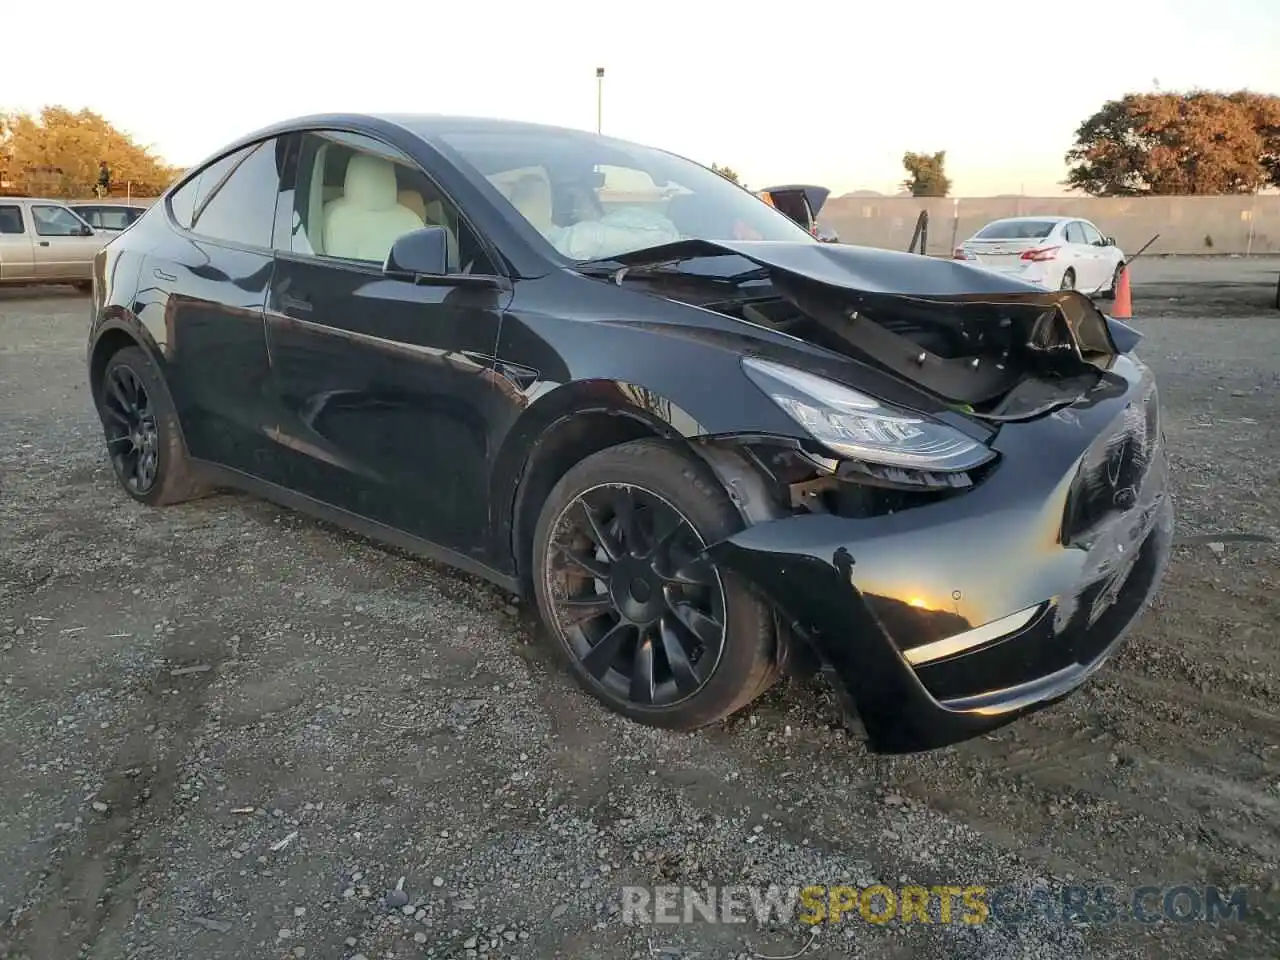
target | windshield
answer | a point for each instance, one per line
(1016, 230)
(592, 197)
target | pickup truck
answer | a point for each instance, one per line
(43, 241)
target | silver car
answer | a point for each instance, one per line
(43, 241)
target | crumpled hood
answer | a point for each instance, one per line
(968, 335)
(861, 269)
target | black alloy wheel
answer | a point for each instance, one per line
(133, 435)
(643, 612)
(144, 438)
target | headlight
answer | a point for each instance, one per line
(860, 427)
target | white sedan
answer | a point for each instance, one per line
(1058, 253)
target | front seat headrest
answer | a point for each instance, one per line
(370, 182)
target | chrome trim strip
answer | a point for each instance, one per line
(971, 638)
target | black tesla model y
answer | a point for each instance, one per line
(714, 449)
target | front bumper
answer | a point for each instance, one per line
(1064, 543)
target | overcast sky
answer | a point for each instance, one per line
(826, 92)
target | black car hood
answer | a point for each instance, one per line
(969, 335)
(860, 269)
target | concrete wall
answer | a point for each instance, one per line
(1187, 225)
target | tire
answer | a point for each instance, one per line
(1068, 280)
(172, 476)
(664, 486)
(1110, 294)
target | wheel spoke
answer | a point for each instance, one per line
(683, 672)
(698, 572)
(585, 562)
(117, 393)
(603, 655)
(112, 413)
(146, 469)
(624, 512)
(580, 610)
(642, 689)
(702, 626)
(598, 532)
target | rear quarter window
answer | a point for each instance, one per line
(184, 201)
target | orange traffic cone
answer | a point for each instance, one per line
(1123, 309)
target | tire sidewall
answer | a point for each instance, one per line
(665, 472)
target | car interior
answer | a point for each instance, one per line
(367, 202)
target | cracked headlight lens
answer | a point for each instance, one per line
(860, 427)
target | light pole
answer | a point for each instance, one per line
(599, 96)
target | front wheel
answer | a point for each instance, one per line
(648, 625)
(1115, 282)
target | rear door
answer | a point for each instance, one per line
(64, 244)
(207, 280)
(386, 387)
(1079, 256)
(1105, 258)
(16, 261)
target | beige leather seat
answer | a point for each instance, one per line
(531, 195)
(367, 219)
(413, 200)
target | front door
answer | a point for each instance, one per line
(385, 387)
(62, 250)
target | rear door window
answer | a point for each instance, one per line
(1091, 235)
(11, 220)
(242, 209)
(1075, 232)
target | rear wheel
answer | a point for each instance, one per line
(1068, 280)
(649, 626)
(140, 423)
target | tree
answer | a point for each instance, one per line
(927, 176)
(60, 154)
(727, 172)
(1178, 144)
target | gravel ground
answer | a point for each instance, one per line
(229, 731)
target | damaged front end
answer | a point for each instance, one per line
(955, 563)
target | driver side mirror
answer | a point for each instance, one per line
(419, 253)
(86, 231)
(1108, 241)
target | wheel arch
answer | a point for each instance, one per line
(115, 333)
(575, 421)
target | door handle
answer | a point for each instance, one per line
(290, 302)
(161, 275)
(44, 243)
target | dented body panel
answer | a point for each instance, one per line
(1073, 526)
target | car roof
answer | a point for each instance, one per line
(431, 127)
